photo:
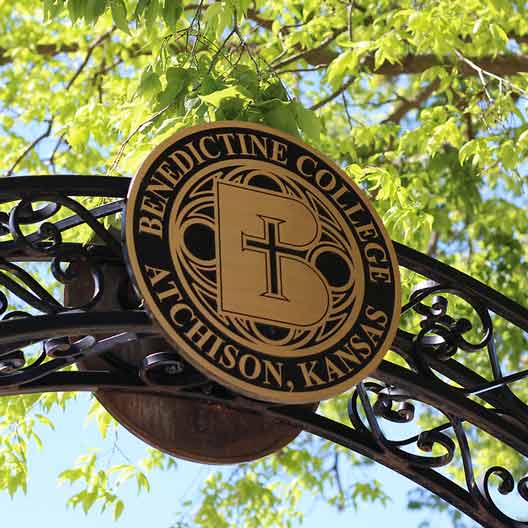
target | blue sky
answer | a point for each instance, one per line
(45, 502)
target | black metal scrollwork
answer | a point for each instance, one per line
(40, 211)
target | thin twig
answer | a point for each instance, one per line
(408, 105)
(347, 110)
(481, 72)
(469, 126)
(302, 54)
(349, 21)
(140, 127)
(195, 20)
(333, 95)
(433, 244)
(91, 49)
(243, 43)
(47, 132)
(104, 70)
(30, 147)
(335, 469)
(302, 70)
(219, 50)
(54, 151)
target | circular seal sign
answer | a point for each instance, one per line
(262, 262)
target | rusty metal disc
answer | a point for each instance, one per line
(196, 430)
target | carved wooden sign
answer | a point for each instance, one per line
(262, 262)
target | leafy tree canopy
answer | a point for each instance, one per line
(423, 102)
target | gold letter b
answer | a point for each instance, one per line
(263, 238)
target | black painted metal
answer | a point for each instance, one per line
(435, 375)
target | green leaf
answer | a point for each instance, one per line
(508, 154)
(216, 98)
(88, 499)
(45, 421)
(281, 115)
(70, 475)
(118, 509)
(119, 15)
(142, 482)
(467, 150)
(78, 136)
(152, 13)
(500, 35)
(172, 11)
(76, 9)
(150, 83)
(94, 9)
(140, 8)
(339, 67)
(308, 122)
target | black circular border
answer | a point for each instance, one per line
(146, 250)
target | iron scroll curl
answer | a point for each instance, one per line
(34, 226)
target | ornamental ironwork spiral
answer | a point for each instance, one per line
(38, 214)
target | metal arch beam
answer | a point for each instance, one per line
(63, 184)
(341, 434)
(442, 273)
(117, 187)
(504, 417)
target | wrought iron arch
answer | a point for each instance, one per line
(38, 214)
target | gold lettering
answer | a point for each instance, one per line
(181, 314)
(229, 353)
(155, 186)
(378, 316)
(205, 150)
(327, 185)
(375, 253)
(372, 333)
(201, 335)
(347, 356)
(156, 274)
(300, 165)
(276, 373)
(165, 171)
(183, 160)
(279, 152)
(366, 231)
(310, 377)
(152, 207)
(261, 145)
(353, 209)
(332, 370)
(256, 370)
(170, 293)
(194, 152)
(342, 190)
(382, 274)
(227, 142)
(243, 146)
(150, 226)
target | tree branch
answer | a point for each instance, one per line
(83, 64)
(402, 110)
(335, 469)
(433, 243)
(30, 147)
(308, 54)
(502, 65)
(333, 95)
(142, 125)
(52, 50)
(47, 132)
(51, 160)
(48, 50)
